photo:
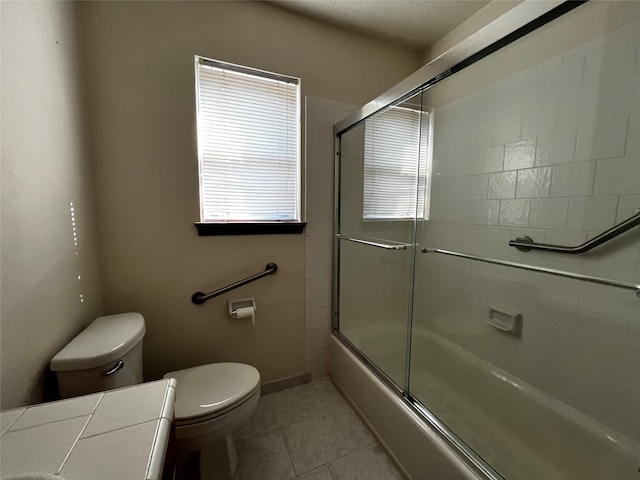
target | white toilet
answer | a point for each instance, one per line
(212, 400)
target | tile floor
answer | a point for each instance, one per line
(309, 432)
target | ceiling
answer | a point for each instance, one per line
(414, 24)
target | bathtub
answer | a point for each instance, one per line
(517, 429)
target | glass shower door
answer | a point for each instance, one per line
(537, 374)
(380, 179)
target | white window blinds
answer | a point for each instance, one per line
(248, 143)
(395, 164)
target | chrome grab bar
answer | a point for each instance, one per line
(373, 243)
(550, 271)
(524, 243)
(199, 297)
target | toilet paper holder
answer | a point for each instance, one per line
(234, 305)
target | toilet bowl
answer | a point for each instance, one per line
(212, 400)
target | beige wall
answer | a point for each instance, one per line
(140, 74)
(50, 287)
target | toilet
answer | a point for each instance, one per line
(212, 400)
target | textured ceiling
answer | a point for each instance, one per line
(415, 24)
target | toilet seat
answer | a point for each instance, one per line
(209, 391)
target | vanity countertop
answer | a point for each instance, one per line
(114, 435)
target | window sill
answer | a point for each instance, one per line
(253, 228)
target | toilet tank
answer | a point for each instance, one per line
(105, 355)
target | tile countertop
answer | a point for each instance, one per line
(113, 435)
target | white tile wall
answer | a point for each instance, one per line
(558, 149)
(321, 115)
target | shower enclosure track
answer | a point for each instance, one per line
(531, 268)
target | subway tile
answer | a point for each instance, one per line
(485, 212)
(572, 180)
(502, 185)
(555, 148)
(320, 210)
(478, 134)
(592, 213)
(602, 134)
(515, 212)
(618, 176)
(539, 120)
(609, 324)
(609, 62)
(565, 237)
(619, 363)
(506, 128)
(518, 155)
(320, 188)
(537, 335)
(633, 135)
(319, 276)
(319, 297)
(575, 106)
(627, 411)
(580, 289)
(549, 212)
(490, 159)
(317, 255)
(576, 348)
(318, 232)
(523, 299)
(320, 152)
(475, 187)
(628, 205)
(533, 182)
(633, 334)
(559, 310)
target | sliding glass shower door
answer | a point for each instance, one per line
(381, 179)
(537, 374)
(527, 361)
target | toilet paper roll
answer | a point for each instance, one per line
(247, 312)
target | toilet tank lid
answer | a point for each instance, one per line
(106, 339)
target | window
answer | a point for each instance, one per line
(248, 147)
(395, 164)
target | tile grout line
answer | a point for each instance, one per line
(64, 461)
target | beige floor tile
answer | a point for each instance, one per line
(322, 473)
(264, 458)
(370, 463)
(316, 441)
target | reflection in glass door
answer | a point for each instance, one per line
(382, 175)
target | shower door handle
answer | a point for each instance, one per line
(374, 243)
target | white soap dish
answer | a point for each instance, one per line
(505, 319)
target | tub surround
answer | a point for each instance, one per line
(109, 435)
(415, 448)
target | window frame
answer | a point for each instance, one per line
(249, 226)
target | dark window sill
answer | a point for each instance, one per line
(262, 228)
